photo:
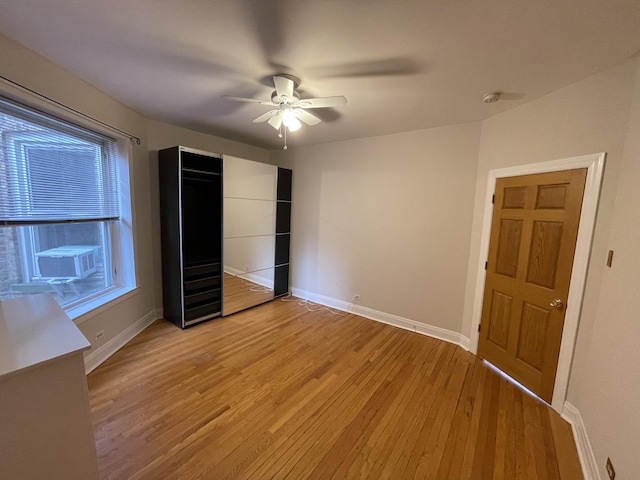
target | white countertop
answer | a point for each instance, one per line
(35, 330)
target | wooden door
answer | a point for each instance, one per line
(531, 249)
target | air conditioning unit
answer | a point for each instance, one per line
(71, 262)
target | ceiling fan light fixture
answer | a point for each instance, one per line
(290, 120)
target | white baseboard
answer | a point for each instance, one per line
(388, 318)
(587, 459)
(95, 357)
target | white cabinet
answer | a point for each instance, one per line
(45, 419)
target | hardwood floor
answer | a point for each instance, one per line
(240, 293)
(280, 392)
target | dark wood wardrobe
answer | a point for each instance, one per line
(197, 276)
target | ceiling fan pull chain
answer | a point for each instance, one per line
(285, 139)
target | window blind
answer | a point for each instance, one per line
(54, 172)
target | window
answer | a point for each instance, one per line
(64, 212)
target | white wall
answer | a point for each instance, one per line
(388, 218)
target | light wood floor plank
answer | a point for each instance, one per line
(281, 392)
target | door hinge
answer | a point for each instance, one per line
(486, 265)
(479, 326)
(493, 199)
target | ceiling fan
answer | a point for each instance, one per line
(289, 109)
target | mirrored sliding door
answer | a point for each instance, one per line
(249, 230)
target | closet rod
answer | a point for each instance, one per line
(132, 138)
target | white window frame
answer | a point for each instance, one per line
(123, 258)
(121, 232)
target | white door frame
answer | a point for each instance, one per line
(595, 169)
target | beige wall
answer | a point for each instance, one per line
(607, 390)
(590, 116)
(36, 73)
(397, 220)
(162, 135)
(587, 117)
(24, 67)
(388, 218)
(394, 219)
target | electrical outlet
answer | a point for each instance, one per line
(98, 335)
(356, 298)
(610, 470)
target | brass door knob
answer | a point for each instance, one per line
(557, 303)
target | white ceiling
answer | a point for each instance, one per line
(403, 65)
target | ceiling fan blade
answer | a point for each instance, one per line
(264, 117)
(384, 67)
(322, 102)
(306, 117)
(276, 120)
(248, 100)
(284, 86)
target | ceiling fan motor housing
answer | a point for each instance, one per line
(295, 80)
(279, 100)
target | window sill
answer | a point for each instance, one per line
(81, 313)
